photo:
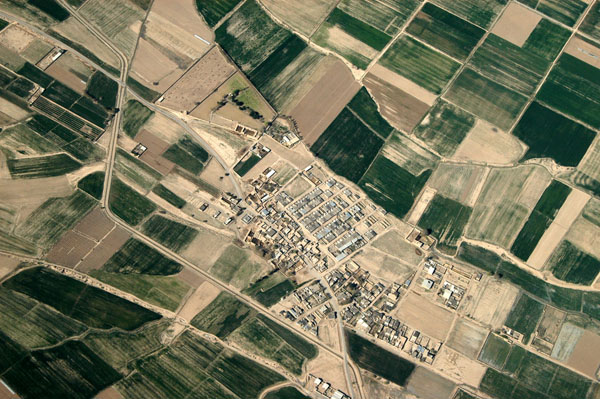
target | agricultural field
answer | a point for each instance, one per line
(479, 12)
(237, 267)
(214, 11)
(45, 166)
(223, 315)
(103, 89)
(187, 154)
(135, 115)
(495, 351)
(128, 204)
(134, 170)
(446, 219)
(485, 98)
(286, 393)
(467, 338)
(244, 166)
(591, 23)
(305, 16)
(569, 263)
(422, 65)
(365, 108)
(171, 234)
(270, 289)
(388, 17)
(525, 315)
(408, 155)
(169, 196)
(93, 184)
(458, 182)
(135, 257)
(566, 12)
(444, 31)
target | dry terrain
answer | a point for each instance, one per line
(425, 316)
(516, 24)
(486, 143)
(200, 298)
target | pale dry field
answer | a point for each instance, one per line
(467, 338)
(516, 24)
(426, 384)
(565, 217)
(301, 15)
(212, 173)
(421, 204)
(153, 68)
(202, 296)
(586, 235)
(185, 15)
(67, 77)
(590, 164)
(384, 266)
(299, 156)
(330, 369)
(393, 243)
(206, 248)
(267, 161)
(404, 84)
(343, 43)
(490, 302)
(407, 154)
(550, 324)
(584, 51)
(103, 252)
(462, 368)
(461, 183)
(70, 249)
(285, 172)
(109, 393)
(486, 143)
(16, 38)
(585, 357)
(7, 265)
(164, 128)
(298, 186)
(12, 110)
(567, 340)
(28, 194)
(95, 225)
(228, 145)
(425, 316)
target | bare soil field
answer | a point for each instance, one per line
(164, 128)
(330, 369)
(212, 174)
(319, 107)
(384, 266)
(565, 217)
(486, 143)
(421, 204)
(425, 316)
(184, 14)
(467, 338)
(516, 24)
(206, 248)
(109, 393)
(428, 385)
(190, 277)
(153, 155)
(7, 265)
(461, 183)
(303, 16)
(267, 161)
(208, 73)
(551, 323)
(16, 38)
(584, 51)
(28, 194)
(70, 249)
(490, 302)
(103, 251)
(586, 235)
(12, 110)
(455, 365)
(153, 68)
(298, 186)
(95, 225)
(5, 393)
(393, 243)
(202, 296)
(67, 77)
(285, 172)
(299, 156)
(585, 358)
(567, 340)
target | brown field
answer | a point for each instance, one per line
(109, 393)
(153, 155)
(516, 24)
(5, 393)
(7, 265)
(102, 253)
(425, 316)
(206, 248)
(319, 107)
(485, 143)
(298, 186)
(95, 225)
(586, 235)
(490, 302)
(565, 217)
(67, 77)
(551, 323)
(190, 277)
(201, 297)
(426, 384)
(304, 16)
(330, 368)
(70, 249)
(585, 358)
(384, 266)
(164, 128)
(212, 173)
(402, 110)
(12, 110)
(153, 68)
(208, 73)
(455, 365)
(184, 14)
(583, 50)
(467, 338)
(16, 38)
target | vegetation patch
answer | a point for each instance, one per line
(243, 167)
(271, 289)
(144, 92)
(495, 351)
(479, 12)
(93, 184)
(223, 315)
(591, 23)
(235, 267)
(419, 63)
(214, 10)
(358, 29)
(524, 316)
(571, 264)
(446, 219)
(103, 89)
(286, 393)
(173, 235)
(47, 166)
(287, 51)
(169, 196)
(135, 115)
(187, 154)
(565, 11)
(35, 74)
(135, 170)
(366, 109)
(127, 204)
(138, 258)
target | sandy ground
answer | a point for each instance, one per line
(425, 316)
(298, 186)
(384, 266)
(567, 214)
(85, 170)
(459, 182)
(12, 110)
(5, 393)
(455, 365)
(319, 107)
(267, 161)
(7, 265)
(299, 156)
(467, 338)
(102, 253)
(586, 355)
(485, 143)
(201, 297)
(67, 77)
(491, 302)
(551, 323)
(206, 248)
(584, 51)
(330, 369)
(418, 209)
(228, 145)
(516, 24)
(150, 66)
(28, 194)
(428, 385)
(109, 393)
(342, 42)
(16, 38)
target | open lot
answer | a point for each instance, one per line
(423, 315)
(429, 385)
(486, 143)
(491, 302)
(584, 357)
(467, 338)
(516, 24)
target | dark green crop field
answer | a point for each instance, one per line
(169, 196)
(524, 316)
(137, 257)
(52, 8)
(90, 305)
(187, 154)
(358, 29)
(127, 204)
(270, 289)
(391, 186)
(286, 393)
(287, 51)
(479, 12)
(495, 351)
(173, 235)
(444, 31)
(243, 167)
(47, 166)
(571, 264)
(378, 361)
(135, 114)
(61, 94)
(36, 75)
(591, 23)
(297, 342)
(565, 11)
(551, 135)
(92, 184)
(214, 10)
(347, 146)
(446, 219)
(515, 358)
(223, 315)
(103, 89)
(366, 109)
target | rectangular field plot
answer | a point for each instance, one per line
(171, 234)
(187, 154)
(446, 219)
(479, 12)
(271, 289)
(551, 135)
(237, 267)
(51, 165)
(213, 11)
(305, 16)
(591, 23)
(444, 31)
(135, 257)
(569, 263)
(128, 204)
(135, 115)
(571, 87)
(524, 316)
(223, 315)
(366, 109)
(520, 68)
(417, 62)
(495, 351)
(384, 17)
(486, 99)
(565, 11)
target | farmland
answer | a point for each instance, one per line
(286, 393)
(419, 63)
(214, 11)
(46, 166)
(446, 219)
(495, 351)
(103, 89)
(525, 315)
(387, 17)
(223, 315)
(92, 184)
(566, 12)
(366, 109)
(479, 12)
(135, 115)
(243, 167)
(591, 23)
(169, 196)
(171, 234)
(187, 154)
(137, 257)
(135, 170)
(269, 289)
(236, 267)
(571, 264)
(127, 204)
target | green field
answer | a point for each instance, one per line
(223, 315)
(551, 135)
(52, 8)
(270, 289)
(21, 87)
(515, 358)
(540, 219)
(235, 267)
(3, 24)
(127, 204)
(386, 16)
(486, 98)
(136, 170)
(445, 127)
(287, 51)
(286, 393)
(169, 196)
(378, 361)
(92, 184)
(591, 23)
(214, 10)
(307, 349)
(479, 12)
(135, 115)
(187, 154)
(520, 68)
(417, 62)
(358, 29)
(347, 146)
(163, 291)
(446, 219)
(144, 92)
(444, 31)
(243, 167)
(173, 235)
(249, 36)
(11, 352)
(90, 305)
(103, 89)
(565, 11)
(571, 87)
(366, 109)
(495, 351)
(524, 316)
(19, 140)
(36, 75)
(391, 186)
(45, 166)
(571, 264)
(138, 258)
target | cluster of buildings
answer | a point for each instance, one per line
(310, 304)
(326, 389)
(449, 282)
